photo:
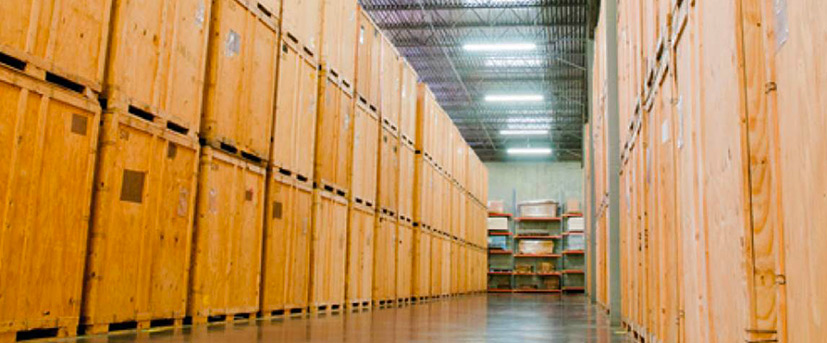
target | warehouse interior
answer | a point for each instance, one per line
(413, 171)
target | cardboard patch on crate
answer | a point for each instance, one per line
(277, 210)
(79, 124)
(172, 150)
(248, 195)
(132, 187)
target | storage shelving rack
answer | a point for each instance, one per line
(501, 261)
(538, 229)
(573, 259)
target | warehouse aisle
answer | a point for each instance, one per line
(479, 318)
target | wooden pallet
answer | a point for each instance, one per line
(38, 334)
(117, 102)
(359, 306)
(224, 318)
(105, 328)
(384, 303)
(20, 63)
(327, 309)
(285, 313)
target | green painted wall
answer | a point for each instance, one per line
(534, 180)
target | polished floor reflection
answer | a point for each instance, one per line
(477, 318)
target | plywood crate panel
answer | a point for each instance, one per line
(293, 148)
(421, 272)
(360, 245)
(328, 250)
(368, 63)
(164, 81)
(800, 119)
(424, 192)
(364, 175)
(407, 178)
(435, 287)
(408, 103)
(285, 275)
(388, 187)
(241, 79)
(456, 267)
(141, 227)
(404, 260)
(301, 23)
(333, 137)
(67, 38)
(226, 266)
(390, 100)
(384, 259)
(340, 32)
(44, 129)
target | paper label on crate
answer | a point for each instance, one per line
(782, 25)
(200, 13)
(664, 131)
(233, 44)
(183, 202)
(212, 201)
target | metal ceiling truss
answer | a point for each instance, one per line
(431, 34)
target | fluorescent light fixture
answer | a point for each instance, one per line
(529, 151)
(523, 132)
(501, 47)
(513, 63)
(514, 98)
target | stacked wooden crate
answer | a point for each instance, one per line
(148, 166)
(722, 179)
(51, 73)
(263, 161)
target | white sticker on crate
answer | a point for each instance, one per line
(233, 44)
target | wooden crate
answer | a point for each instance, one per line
(285, 275)
(368, 63)
(44, 129)
(408, 103)
(437, 265)
(456, 267)
(427, 110)
(384, 261)
(64, 39)
(404, 261)
(407, 177)
(421, 271)
(800, 119)
(334, 148)
(460, 159)
(162, 81)
(227, 245)
(360, 245)
(340, 32)
(388, 187)
(293, 148)
(328, 251)
(239, 100)
(390, 83)
(301, 23)
(424, 195)
(445, 258)
(141, 226)
(365, 171)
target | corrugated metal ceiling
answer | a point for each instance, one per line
(432, 35)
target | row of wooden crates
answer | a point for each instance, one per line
(723, 173)
(178, 230)
(244, 76)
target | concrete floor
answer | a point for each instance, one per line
(477, 318)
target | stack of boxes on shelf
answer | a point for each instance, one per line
(543, 253)
(211, 160)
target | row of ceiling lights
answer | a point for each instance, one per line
(500, 98)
